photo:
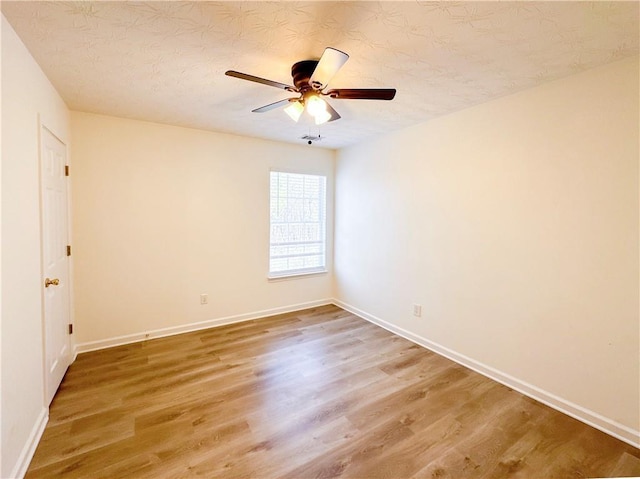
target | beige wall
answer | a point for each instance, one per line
(162, 214)
(27, 96)
(515, 225)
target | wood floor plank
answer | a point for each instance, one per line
(318, 393)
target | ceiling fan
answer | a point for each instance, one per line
(311, 78)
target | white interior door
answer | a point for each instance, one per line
(55, 281)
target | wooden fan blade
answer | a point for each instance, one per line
(264, 81)
(330, 62)
(362, 93)
(273, 106)
(334, 114)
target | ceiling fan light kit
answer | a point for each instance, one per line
(322, 116)
(315, 105)
(311, 78)
(294, 110)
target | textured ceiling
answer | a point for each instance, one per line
(165, 61)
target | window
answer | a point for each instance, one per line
(298, 224)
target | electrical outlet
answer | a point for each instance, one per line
(417, 310)
(204, 299)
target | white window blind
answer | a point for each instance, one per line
(298, 224)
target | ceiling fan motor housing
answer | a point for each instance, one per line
(301, 73)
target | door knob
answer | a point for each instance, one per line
(48, 282)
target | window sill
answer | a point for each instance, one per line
(284, 277)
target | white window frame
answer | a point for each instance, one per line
(293, 273)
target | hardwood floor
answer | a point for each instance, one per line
(319, 393)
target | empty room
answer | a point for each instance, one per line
(343, 239)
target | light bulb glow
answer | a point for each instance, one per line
(322, 117)
(316, 105)
(294, 110)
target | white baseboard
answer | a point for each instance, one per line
(29, 449)
(604, 424)
(186, 328)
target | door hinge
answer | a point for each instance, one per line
(68, 250)
(66, 170)
(71, 329)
